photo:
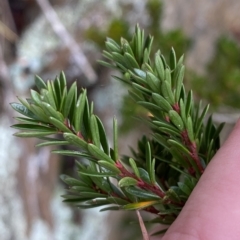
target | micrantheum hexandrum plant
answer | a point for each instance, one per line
(167, 164)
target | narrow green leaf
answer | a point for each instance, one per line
(167, 92)
(139, 205)
(136, 96)
(36, 97)
(71, 181)
(73, 139)
(146, 55)
(189, 103)
(23, 110)
(172, 59)
(131, 61)
(179, 82)
(71, 114)
(40, 83)
(69, 99)
(94, 131)
(119, 59)
(47, 97)
(148, 157)
(97, 174)
(116, 200)
(170, 131)
(162, 102)
(168, 76)
(51, 95)
(112, 208)
(200, 120)
(62, 81)
(146, 67)
(103, 136)
(153, 82)
(112, 47)
(32, 127)
(107, 55)
(160, 139)
(163, 61)
(98, 153)
(79, 111)
(63, 99)
(85, 130)
(106, 64)
(138, 43)
(24, 102)
(126, 47)
(39, 113)
(178, 146)
(144, 175)
(159, 66)
(134, 167)
(141, 89)
(127, 181)
(109, 166)
(173, 194)
(140, 193)
(113, 42)
(72, 153)
(176, 119)
(51, 112)
(183, 112)
(52, 143)
(184, 188)
(30, 121)
(152, 171)
(137, 79)
(150, 106)
(190, 129)
(57, 89)
(34, 134)
(165, 124)
(115, 139)
(58, 124)
(123, 79)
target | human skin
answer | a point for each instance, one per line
(212, 211)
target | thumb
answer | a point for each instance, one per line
(212, 211)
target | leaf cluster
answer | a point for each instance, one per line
(165, 168)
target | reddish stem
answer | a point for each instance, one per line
(146, 186)
(193, 150)
(176, 107)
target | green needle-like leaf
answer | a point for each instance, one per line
(140, 205)
(111, 167)
(141, 193)
(40, 83)
(115, 139)
(58, 124)
(23, 110)
(95, 131)
(134, 167)
(173, 59)
(33, 127)
(127, 181)
(99, 154)
(73, 139)
(103, 137)
(31, 134)
(69, 99)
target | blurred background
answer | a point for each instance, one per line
(45, 37)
